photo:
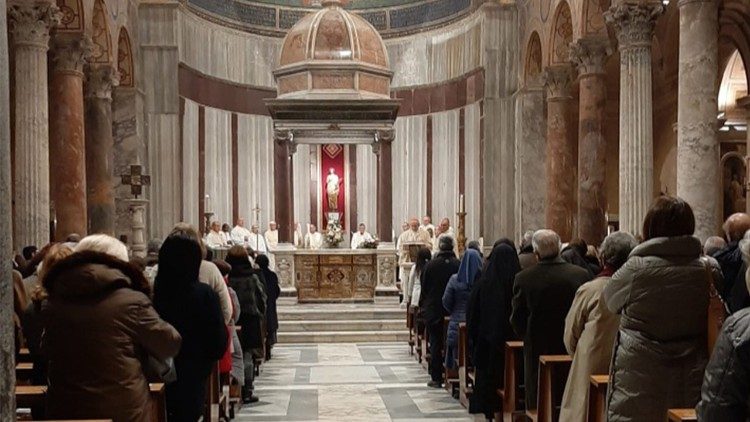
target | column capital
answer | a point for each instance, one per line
(634, 23)
(99, 82)
(30, 22)
(590, 54)
(383, 137)
(70, 52)
(285, 138)
(558, 79)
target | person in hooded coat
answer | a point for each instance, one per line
(488, 325)
(456, 299)
(273, 291)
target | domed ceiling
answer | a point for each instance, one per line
(275, 17)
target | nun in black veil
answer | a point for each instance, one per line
(488, 325)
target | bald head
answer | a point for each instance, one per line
(546, 244)
(414, 224)
(736, 226)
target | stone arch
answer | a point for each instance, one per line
(734, 33)
(125, 59)
(561, 35)
(592, 17)
(72, 19)
(533, 62)
(102, 52)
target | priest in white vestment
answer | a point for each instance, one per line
(444, 229)
(256, 241)
(313, 239)
(414, 235)
(299, 240)
(361, 236)
(215, 238)
(428, 226)
(239, 233)
(272, 235)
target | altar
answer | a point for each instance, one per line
(337, 275)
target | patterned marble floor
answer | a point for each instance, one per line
(348, 382)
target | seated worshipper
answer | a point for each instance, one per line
(252, 297)
(662, 296)
(413, 287)
(32, 319)
(526, 256)
(488, 326)
(433, 282)
(215, 238)
(98, 325)
(733, 290)
(239, 233)
(575, 253)
(313, 239)
(590, 329)
(226, 232)
(542, 296)
(361, 236)
(273, 291)
(193, 308)
(456, 298)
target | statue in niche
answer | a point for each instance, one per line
(333, 186)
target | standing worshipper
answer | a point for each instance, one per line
(434, 280)
(456, 299)
(413, 287)
(193, 308)
(733, 291)
(488, 326)
(273, 291)
(662, 296)
(526, 256)
(590, 329)
(542, 296)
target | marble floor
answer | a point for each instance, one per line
(348, 382)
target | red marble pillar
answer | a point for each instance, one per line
(382, 147)
(561, 167)
(283, 148)
(100, 150)
(590, 54)
(66, 141)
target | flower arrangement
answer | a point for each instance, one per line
(334, 234)
(372, 244)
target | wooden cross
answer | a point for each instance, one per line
(136, 180)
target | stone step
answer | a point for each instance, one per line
(300, 313)
(343, 337)
(293, 326)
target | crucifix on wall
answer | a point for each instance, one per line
(136, 180)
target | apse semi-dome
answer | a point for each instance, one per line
(333, 54)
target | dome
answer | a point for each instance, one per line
(332, 53)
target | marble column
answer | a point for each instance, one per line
(7, 327)
(67, 141)
(30, 23)
(698, 160)
(561, 164)
(589, 56)
(634, 26)
(100, 149)
(283, 189)
(383, 148)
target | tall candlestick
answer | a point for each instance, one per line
(461, 203)
(206, 203)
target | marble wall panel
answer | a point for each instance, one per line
(163, 136)
(445, 164)
(472, 170)
(410, 168)
(190, 178)
(218, 183)
(367, 185)
(255, 168)
(128, 151)
(301, 184)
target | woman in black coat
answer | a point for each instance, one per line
(194, 310)
(252, 297)
(488, 325)
(273, 291)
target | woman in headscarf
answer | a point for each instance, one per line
(488, 325)
(456, 299)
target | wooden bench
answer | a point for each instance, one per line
(24, 371)
(449, 375)
(24, 355)
(426, 356)
(411, 326)
(158, 401)
(512, 393)
(553, 373)
(28, 396)
(681, 415)
(465, 369)
(598, 398)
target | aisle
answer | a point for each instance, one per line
(348, 382)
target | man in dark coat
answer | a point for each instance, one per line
(734, 292)
(434, 279)
(542, 296)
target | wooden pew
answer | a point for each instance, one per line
(24, 371)
(24, 355)
(449, 375)
(553, 372)
(217, 400)
(512, 393)
(28, 396)
(411, 326)
(681, 415)
(598, 398)
(158, 401)
(465, 369)
(426, 356)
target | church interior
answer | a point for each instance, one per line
(335, 142)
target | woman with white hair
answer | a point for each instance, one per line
(100, 329)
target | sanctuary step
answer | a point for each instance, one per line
(341, 323)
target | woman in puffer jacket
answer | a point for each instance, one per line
(662, 295)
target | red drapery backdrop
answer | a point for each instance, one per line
(332, 157)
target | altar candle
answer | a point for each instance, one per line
(461, 203)
(205, 203)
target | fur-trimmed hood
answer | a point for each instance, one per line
(89, 274)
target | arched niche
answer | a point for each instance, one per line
(562, 35)
(72, 19)
(125, 59)
(102, 42)
(533, 61)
